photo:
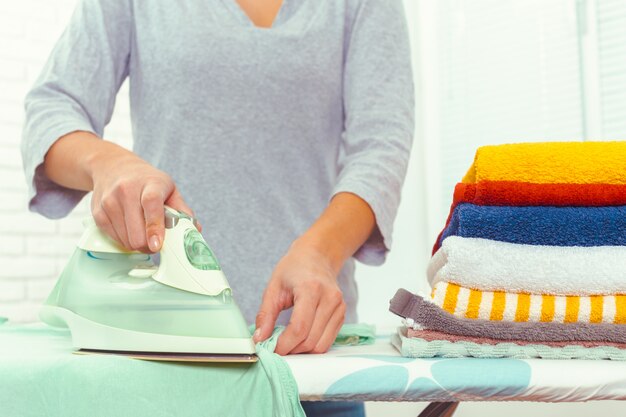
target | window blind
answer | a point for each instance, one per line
(611, 44)
(508, 72)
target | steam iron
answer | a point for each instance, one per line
(119, 302)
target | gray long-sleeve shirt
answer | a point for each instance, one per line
(259, 128)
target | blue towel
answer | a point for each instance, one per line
(556, 226)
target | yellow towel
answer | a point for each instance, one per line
(502, 306)
(551, 163)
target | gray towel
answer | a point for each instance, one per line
(431, 317)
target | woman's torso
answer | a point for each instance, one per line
(248, 122)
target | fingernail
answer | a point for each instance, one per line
(154, 243)
(256, 335)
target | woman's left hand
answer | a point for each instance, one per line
(305, 280)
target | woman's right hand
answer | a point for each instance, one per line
(128, 193)
(128, 199)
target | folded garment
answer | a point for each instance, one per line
(553, 226)
(551, 163)
(356, 334)
(431, 335)
(429, 316)
(491, 265)
(450, 347)
(350, 334)
(520, 307)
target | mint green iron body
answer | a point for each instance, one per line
(118, 301)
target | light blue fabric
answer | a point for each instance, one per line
(285, 401)
(39, 376)
(352, 334)
(259, 128)
(356, 335)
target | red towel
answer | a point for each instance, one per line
(513, 193)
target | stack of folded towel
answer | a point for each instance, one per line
(532, 260)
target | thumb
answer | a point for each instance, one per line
(268, 313)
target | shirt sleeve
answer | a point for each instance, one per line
(75, 91)
(379, 117)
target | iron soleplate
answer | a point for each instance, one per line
(175, 356)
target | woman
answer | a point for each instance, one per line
(285, 126)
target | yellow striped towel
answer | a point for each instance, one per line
(502, 306)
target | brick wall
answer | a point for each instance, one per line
(33, 249)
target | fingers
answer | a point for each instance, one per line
(135, 229)
(126, 215)
(128, 203)
(152, 204)
(330, 332)
(322, 316)
(175, 201)
(268, 313)
(301, 322)
(103, 222)
(131, 215)
(112, 209)
(330, 311)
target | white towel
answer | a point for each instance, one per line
(491, 265)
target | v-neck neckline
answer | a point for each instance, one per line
(236, 8)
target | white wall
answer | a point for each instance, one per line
(493, 71)
(33, 249)
(407, 260)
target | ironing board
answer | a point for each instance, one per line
(374, 372)
(378, 373)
